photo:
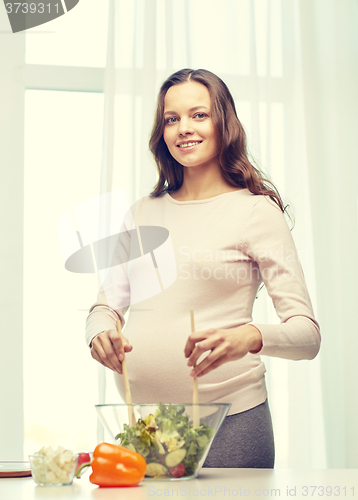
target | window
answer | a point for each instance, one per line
(63, 153)
(63, 146)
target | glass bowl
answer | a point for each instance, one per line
(164, 434)
(46, 472)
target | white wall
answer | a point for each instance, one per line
(12, 55)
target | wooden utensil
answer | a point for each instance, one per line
(131, 417)
(196, 416)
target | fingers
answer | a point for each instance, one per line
(194, 338)
(221, 345)
(200, 342)
(103, 351)
(117, 345)
(216, 358)
(126, 345)
(108, 348)
(96, 357)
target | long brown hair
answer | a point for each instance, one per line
(235, 166)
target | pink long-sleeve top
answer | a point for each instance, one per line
(224, 248)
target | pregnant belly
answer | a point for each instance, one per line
(162, 374)
(158, 372)
(157, 367)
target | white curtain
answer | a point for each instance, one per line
(329, 44)
(289, 65)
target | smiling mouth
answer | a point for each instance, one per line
(189, 144)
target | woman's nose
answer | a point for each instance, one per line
(185, 128)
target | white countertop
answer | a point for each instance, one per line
(211, 483)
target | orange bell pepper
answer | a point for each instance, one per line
(114, 465)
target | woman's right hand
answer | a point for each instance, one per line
(108, 348)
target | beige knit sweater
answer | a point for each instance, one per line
(224, 248)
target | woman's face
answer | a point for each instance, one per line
(188, 131)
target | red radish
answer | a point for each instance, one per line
(83, 458)
(178, 470)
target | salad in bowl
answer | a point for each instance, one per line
(165, 436)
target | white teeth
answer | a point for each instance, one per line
(188, 144)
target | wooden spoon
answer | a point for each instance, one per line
(196, 416)
(131, 416)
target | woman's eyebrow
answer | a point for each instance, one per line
(190, 110)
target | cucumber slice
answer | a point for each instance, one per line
(175, 457)
(155, 470)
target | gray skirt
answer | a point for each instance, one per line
(244, 440)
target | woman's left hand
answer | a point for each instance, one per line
(225, 345)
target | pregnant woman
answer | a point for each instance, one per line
(229, 234)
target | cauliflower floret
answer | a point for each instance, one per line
(172, 441)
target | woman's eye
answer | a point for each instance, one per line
(201, 115)
(171, 119)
